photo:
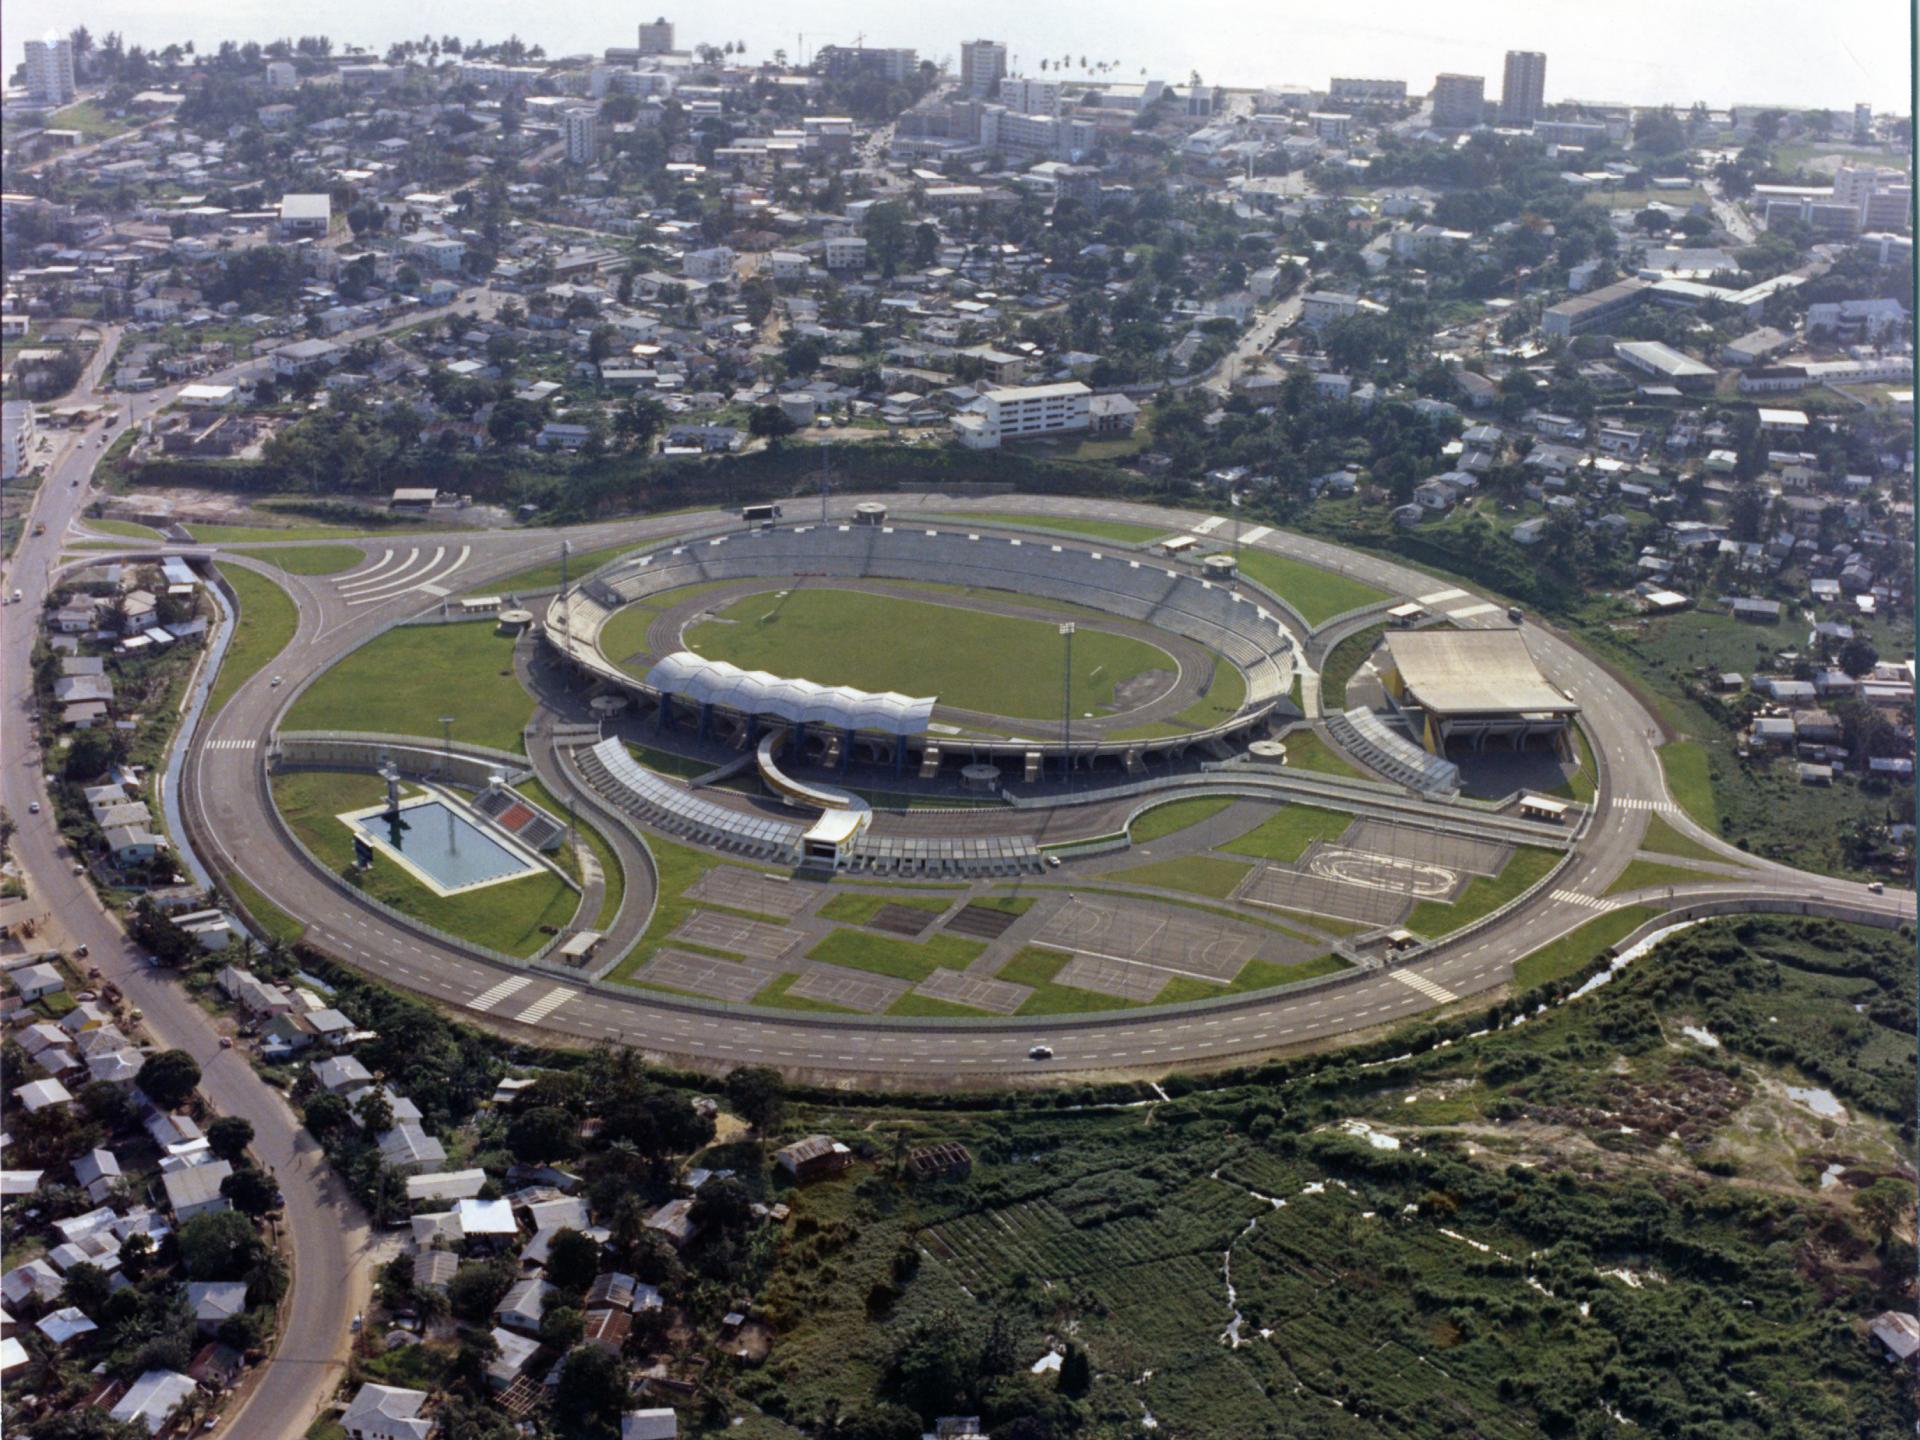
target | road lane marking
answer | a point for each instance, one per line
(545, 1005)
(1425, 986)
(487, 999)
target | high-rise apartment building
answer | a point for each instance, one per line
(582, 127)
(1459, 101)
(50, 70)
(657, 38)
(982, 65)
(1024, 95)
(1523, 87)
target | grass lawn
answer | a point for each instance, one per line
(1317, 594)
(902, 959)
(1690, 782)
(402, 681)
(90, 118)
(1640, 199)
(930, 1007)
(1583, 784)
(859, 908)
(1256, 974)
(278, 924)
(309, 559)
(1036, 966)
(581, 562)
(1484, 894)
(1650, 874)
(616, 878)
(265, 625)
(625, 633)
(1307, 751)
(1572, 951)
(1176, 815)
(265, 534)
(1345, 659)
(969, 658)
(1197, 874)
(128, 528)
(775, 995)
(1120, 530)
(1285, 835)
(1006, 904)
(1662, 839)
(507, 917)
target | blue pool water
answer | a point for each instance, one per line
(445, 844)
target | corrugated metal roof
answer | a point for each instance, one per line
(755, 692)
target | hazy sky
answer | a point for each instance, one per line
(1641, 51)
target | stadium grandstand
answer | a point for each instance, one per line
(1472, 686)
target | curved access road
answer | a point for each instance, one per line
(229, 810)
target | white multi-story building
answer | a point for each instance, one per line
(1459, 101)
(50, 70)
(1320, 308)
(1027, 96)
(582, 127)
(1331, 126)
(1342, 90)
(281, 75)
(1020, 411)
(846, 252)
(982, 64)
(657, 38)
(713, 263)
(16, 439)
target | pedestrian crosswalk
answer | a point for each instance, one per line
(1585, 902)
(1437, 596)
(1659, 807)
(231, 745)
(1426, 987)
(489, 998)
(546, 1005)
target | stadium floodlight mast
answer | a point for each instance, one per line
(446, 733)
(1066, 705)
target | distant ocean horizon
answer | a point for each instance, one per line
(1639, 52)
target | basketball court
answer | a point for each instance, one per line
(1428, 847)
(750, 890)
(1284, 888)
(831, 985)
(706, 975)
(751, 938)
(1170, 942)
(982, 992)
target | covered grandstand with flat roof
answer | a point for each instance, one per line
(1472, 685)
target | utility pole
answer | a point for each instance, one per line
(446, 737)
(826, 484)
(566, 617)
(1066, 705)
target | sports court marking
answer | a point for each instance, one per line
(1279, 888)
(750, 890)
(1173, 944)
(867, 993)
(1381, 872)
(752, 938)
(1455, 852)
(901, 919)
(1109, 975)
(982, 992)
(706, 975)
(981, 922)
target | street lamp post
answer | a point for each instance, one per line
(1066, 705)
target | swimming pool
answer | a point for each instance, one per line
(439, 845)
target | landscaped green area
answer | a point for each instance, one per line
(1317, 594)
(1690, 781)
(1664, 839)
(91, 119)
(1640, 199)
(1176, 815)
(582, 562)
(1256, 974)
(614, 876)
(1286, 834)
(1196, 874)
(1574, 951)
(263, 912)
(678, 868)
(775, 995)
(625, 633)
(209, 534)
(1120, 530)
(1036, 966)
(858, 907)
(970, 659)
(132, 530)
(402, 681)
(1583, 783)
(1307, 751)
(1484, 894)
(308, 559)
(516, 917)
(1651, 874)
(264, 626)
(902, 959)
(1343, 662)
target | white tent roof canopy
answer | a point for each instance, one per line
(802, 702)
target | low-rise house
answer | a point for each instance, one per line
(152, 1399)
(813, 1158)
(342, 1074)
(387, 1412)
(32, 982)
(524, 1304)
(660, 1423)
(214, 1302)
(97, 1172)
(410, 1149)
(38, 1095)
(196, 1190)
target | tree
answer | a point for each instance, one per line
(229, 1136)
(250, 1191)
(374, 1111)
(1076, 1372)
(327, 1114)
(573, 1260)
(723, 1206)
(479, 1286)
(89, 755)
(87, 1288)
(168, 1078)
(593, 1388)
(1858, 657)
(561, 1326)
(770, 422)
(218, 1245)
(85, 1424)
(758, 1096)
(543, 1134)
(1885, 1205)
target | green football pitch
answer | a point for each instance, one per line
(969, 659)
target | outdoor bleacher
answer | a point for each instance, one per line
(1376, 743)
